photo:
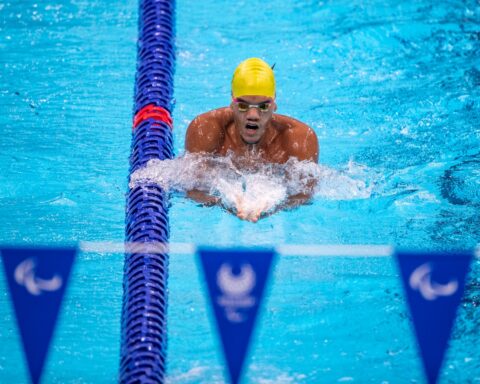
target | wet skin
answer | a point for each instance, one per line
(251, 135)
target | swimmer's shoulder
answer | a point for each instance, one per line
(220, 116)
(300, 139)
(289, 125)
(206, 132)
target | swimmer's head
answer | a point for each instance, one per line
(253, 77)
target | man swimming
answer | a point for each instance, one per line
(251, 130)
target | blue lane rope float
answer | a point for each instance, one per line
(144, 335)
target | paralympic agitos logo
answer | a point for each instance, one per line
(421, 280)
(25, 276)
(235, 289)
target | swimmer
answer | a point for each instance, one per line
(250, 129)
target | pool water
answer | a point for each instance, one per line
(392, 92)
(66, 96)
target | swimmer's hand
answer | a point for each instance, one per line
(246, 213)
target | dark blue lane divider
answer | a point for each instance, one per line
(144, 334)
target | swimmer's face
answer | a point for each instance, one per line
(252, 114)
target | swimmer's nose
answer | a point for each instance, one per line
(253, 114)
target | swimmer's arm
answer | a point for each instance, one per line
(203, 197)
(296, 200)
(304, 146)
(300, 140)
(205, 134)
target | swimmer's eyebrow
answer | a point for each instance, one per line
(245, 101)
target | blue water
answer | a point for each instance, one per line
(66, 94)
(392, 92)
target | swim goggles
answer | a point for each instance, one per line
(244, 107)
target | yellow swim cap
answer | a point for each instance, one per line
(253, 77)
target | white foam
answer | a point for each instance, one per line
(60, 200)
(259, 185)
(193, 374)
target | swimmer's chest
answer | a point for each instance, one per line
(276, 151)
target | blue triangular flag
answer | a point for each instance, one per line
(434, 284)
(236, 280)
(37, 279)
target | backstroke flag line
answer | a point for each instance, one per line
(434, 285)
(37, 279)
(236, 281)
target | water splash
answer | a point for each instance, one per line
(261, 185)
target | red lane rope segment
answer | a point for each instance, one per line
(155, 112)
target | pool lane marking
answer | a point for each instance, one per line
(136, 247)
(310, 250)
(284, 250)
(335, 250)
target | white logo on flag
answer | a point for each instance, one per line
(25, 275)
(236, 291)
(421, 280)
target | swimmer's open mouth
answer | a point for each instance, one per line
(251, 126)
